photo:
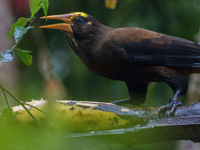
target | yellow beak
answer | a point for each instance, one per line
(67, 18)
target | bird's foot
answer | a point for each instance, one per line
(169, 109)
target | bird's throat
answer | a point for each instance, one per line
(77, 49)
(84, 46)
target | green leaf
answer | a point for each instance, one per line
(7, 56)
(45, 5)
(25, 56)
(20, 22)
(35, 6)
(19, 32)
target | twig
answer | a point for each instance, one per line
(17, 100)
(7, 103)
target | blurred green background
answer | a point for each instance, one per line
(57, 73)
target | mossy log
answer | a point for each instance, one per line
(110, 122)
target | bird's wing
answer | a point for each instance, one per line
(151, 48)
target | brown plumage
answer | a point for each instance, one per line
(134, 55)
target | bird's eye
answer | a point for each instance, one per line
(81, 21)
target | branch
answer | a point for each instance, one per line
(108, 122)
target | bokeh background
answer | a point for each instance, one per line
(57, 73)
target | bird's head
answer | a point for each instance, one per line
(83, 31)
(77, 23)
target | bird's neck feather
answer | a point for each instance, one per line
(83, 46)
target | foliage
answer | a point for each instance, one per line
(35, 6)
(25, 56)
(19, 29)
(21, 22)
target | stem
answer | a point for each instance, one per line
(18, 100)
(6, 98)
(14, 46)
(7, 103)
(34, 107)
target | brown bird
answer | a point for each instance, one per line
(134, 55)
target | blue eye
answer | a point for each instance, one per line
(80, 21)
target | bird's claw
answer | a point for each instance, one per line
(169, 109)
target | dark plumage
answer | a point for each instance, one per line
(134, 55)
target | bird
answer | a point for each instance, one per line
(134, 55)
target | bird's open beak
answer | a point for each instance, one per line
(67, 18)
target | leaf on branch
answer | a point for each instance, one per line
(35, 6)
(19, 32)
(25, 56)
(45, 5)
(7, 56)
(20, 22)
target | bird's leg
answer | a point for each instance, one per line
(137, 93)
(170, 108)
(179, 86)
